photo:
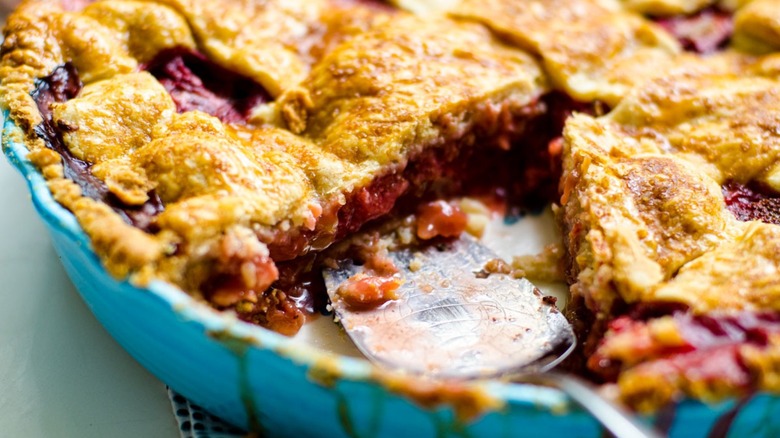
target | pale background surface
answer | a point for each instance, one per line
(60, 372)
(61, 375)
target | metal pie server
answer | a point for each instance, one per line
(450, 319)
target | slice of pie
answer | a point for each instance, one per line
(670, 207)
(225, 147)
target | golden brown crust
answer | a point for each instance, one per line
(667, 7)
(739, 275)
(649, 175)
(112, 118)
(757, 26)
(642, 214)
(591, 49)
(371, 100)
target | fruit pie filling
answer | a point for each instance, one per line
(657, 347)
(704, 32)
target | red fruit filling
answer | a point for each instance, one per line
(440, 218)
(751, 203)
(196, 83)
(378, 5)
(706, 31)
(241, 280)
(365, 292)
(369, 203)
(709, 348)
(303, 284)
(75, 5)
(722, 364)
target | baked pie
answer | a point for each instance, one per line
(228, 147)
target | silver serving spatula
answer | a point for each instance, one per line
(450, 320)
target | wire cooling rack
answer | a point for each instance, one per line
(194, 422)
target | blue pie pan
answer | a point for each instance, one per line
(257, 379)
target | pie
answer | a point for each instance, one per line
(226, 147)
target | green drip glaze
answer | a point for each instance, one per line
(345, 418)
(449, 427)
(342, 409)
(377, 408)
(439, 426)
(240, 348)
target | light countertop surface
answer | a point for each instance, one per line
(61, 374)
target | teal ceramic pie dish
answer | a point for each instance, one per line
(259, 380)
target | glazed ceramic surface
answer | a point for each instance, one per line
(288, 387)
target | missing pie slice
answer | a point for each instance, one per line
(224, 146)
